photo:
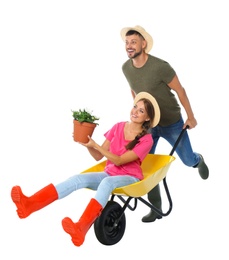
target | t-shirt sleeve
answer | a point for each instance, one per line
(110, 134)
(144, 146)
(167, 72)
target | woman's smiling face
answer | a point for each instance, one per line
(138, 113)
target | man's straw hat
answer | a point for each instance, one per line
(142, 31)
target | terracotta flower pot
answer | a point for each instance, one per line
(82, 130)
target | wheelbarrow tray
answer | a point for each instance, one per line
(154, 166)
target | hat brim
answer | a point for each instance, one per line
(146, 36)
(157, 113)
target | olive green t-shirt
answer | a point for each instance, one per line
(153, 78)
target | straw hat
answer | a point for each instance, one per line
(142, 31)
(146, 95)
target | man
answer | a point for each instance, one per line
(148, 73)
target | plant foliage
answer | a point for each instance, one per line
(82, 115)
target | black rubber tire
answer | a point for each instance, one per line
(105, 229)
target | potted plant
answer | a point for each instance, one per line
(83, 125)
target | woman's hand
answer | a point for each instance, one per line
(92, 147)
(90, 144)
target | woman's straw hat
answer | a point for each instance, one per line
(157, 114)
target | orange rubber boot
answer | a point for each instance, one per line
(27, 205)
(79, 230)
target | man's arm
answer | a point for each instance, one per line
(181, 93)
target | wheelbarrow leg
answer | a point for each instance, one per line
(154, 197)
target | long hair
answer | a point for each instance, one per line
(145, 126)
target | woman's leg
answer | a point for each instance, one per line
(108, 184)
(78, 230)
(27, 205)
(79, 181)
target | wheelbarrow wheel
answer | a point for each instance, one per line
(107, 229)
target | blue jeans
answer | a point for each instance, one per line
(100, 181)
(184, 148)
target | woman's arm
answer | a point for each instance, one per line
(98, 152)
(94, 152)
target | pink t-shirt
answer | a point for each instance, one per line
(117, 146)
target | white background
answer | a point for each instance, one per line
(63, 55)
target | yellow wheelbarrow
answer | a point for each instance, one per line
(110, 226)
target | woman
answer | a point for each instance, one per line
(125, 147)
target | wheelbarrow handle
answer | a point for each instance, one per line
(178, 140)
